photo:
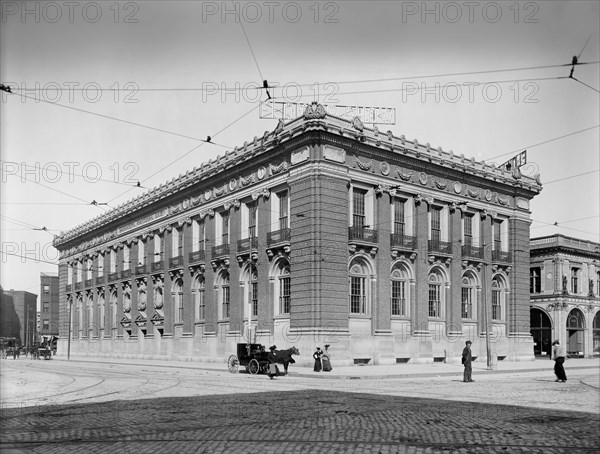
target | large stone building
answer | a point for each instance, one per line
(320, 232)
(565, 295)
(49, 305)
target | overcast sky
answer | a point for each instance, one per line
(333, 52)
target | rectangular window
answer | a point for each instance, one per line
(252, 220)
(200, 304)
(225, 227)
(226, 302)
(496, 308)
(201, 235)
(46, 325)
(574, 280)
(70, 274)
(434, 300)
(468, 230)
(141, 252)
(398, 298)
(254, 297)
(113, 261)
(436, 226)
(126, 257)
(357, 295)
(100, 265)
(179, 305)
(46, 307)
(283, 209)
(467, 302)
(157, 248)
(358, 207)
(497, 235)
(398, 217)
(180, 242)
(535, 281)
(46, 290)
(284, 295)
(79, 268)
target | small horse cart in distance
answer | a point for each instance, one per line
(256, 359)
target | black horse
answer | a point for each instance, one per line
(285, 357)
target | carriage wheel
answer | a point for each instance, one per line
(253, 367)
(233, 364)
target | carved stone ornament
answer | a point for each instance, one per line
(220, 191)
(405, 176)
(232, 184)
(440, 184)
(502, 200)
(261, 172)
(363, 165)
(375, 131)
(457, 187)
(357, 124)
(384, 168)
(488, 195)
(472, 193)
(314, 111)
(263, 192)
(423, 178)
(246, 181)
(279, 127)
(278, 168)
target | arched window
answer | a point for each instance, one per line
(497, 299)
(358, 288)
(177, 294)
(435, 295)
(113, 309)
(225, 296)
(198, 290)
(596, 334)
(575, 320)
(90, 308)
(101, 310)
(399, 290)
(280, 283)
(468, 297)
(79, 312)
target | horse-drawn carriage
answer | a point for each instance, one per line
(47, 347)
(256, 359)
(9, 347)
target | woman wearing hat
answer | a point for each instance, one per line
(326, 360)
(317, 356)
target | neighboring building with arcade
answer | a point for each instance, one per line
(565, 295)
(322, 231)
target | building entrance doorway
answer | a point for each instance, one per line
(541, 331)
(596, 334)
(575, 334)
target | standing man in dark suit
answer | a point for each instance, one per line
(466, 360)
(558, 355)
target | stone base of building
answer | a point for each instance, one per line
(383, 348)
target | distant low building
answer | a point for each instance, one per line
(49, 304)
(564, 278)
(25, 309)
(9, 320)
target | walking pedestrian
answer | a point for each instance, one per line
(272, 367)
(317, 356)
(326, 360)
(466, 360)
(558, 355)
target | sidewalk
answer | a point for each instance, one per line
(365, 372)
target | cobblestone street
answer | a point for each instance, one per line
(67, 407)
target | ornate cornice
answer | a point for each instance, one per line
(314, 120)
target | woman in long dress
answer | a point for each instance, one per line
(326, 360)
(317, 356)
